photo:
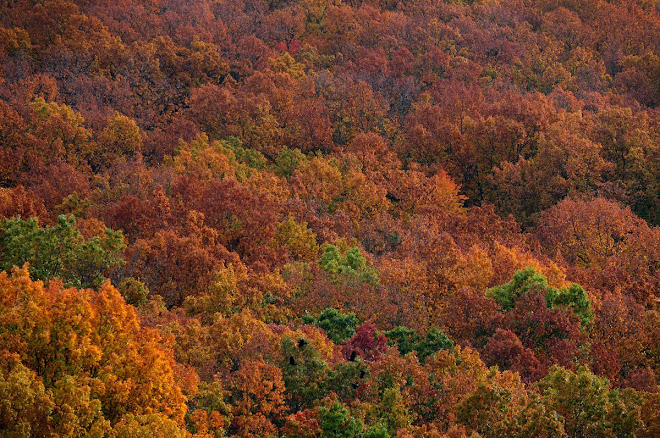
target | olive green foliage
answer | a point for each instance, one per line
(249, 157)
(589, 407)
(134, 291)
(338, 327)
(210, 397)
(523, 281)
(434, 340)
(25, 403)
(59, 251)
(348, 265)
(337, 422)
(304, 373)
(573, 297)
(343, 377)
(288, 160)
(493, 411)
(404, 338)
(298, 239)
(408, 340)
(308, 378)
(377, 431)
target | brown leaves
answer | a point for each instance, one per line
(258, 395)
(610, 247)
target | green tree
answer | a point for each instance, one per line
(336, 422)
(348, 265)
(304, 373)
(404, 338)
(338, 327)
(573, 297)
(134, 291)
(287, 161)
(523, 280)
(408, 340)
(59, 251)
(434, 341)
(589, 406)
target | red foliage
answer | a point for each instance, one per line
(366, 342)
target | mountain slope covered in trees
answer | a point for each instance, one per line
(324, 218)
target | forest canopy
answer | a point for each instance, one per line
(325, 218)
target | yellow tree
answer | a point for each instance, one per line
(258, 399)
(86, 361)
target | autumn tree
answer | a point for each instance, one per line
(85, 362)
(257, 394)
